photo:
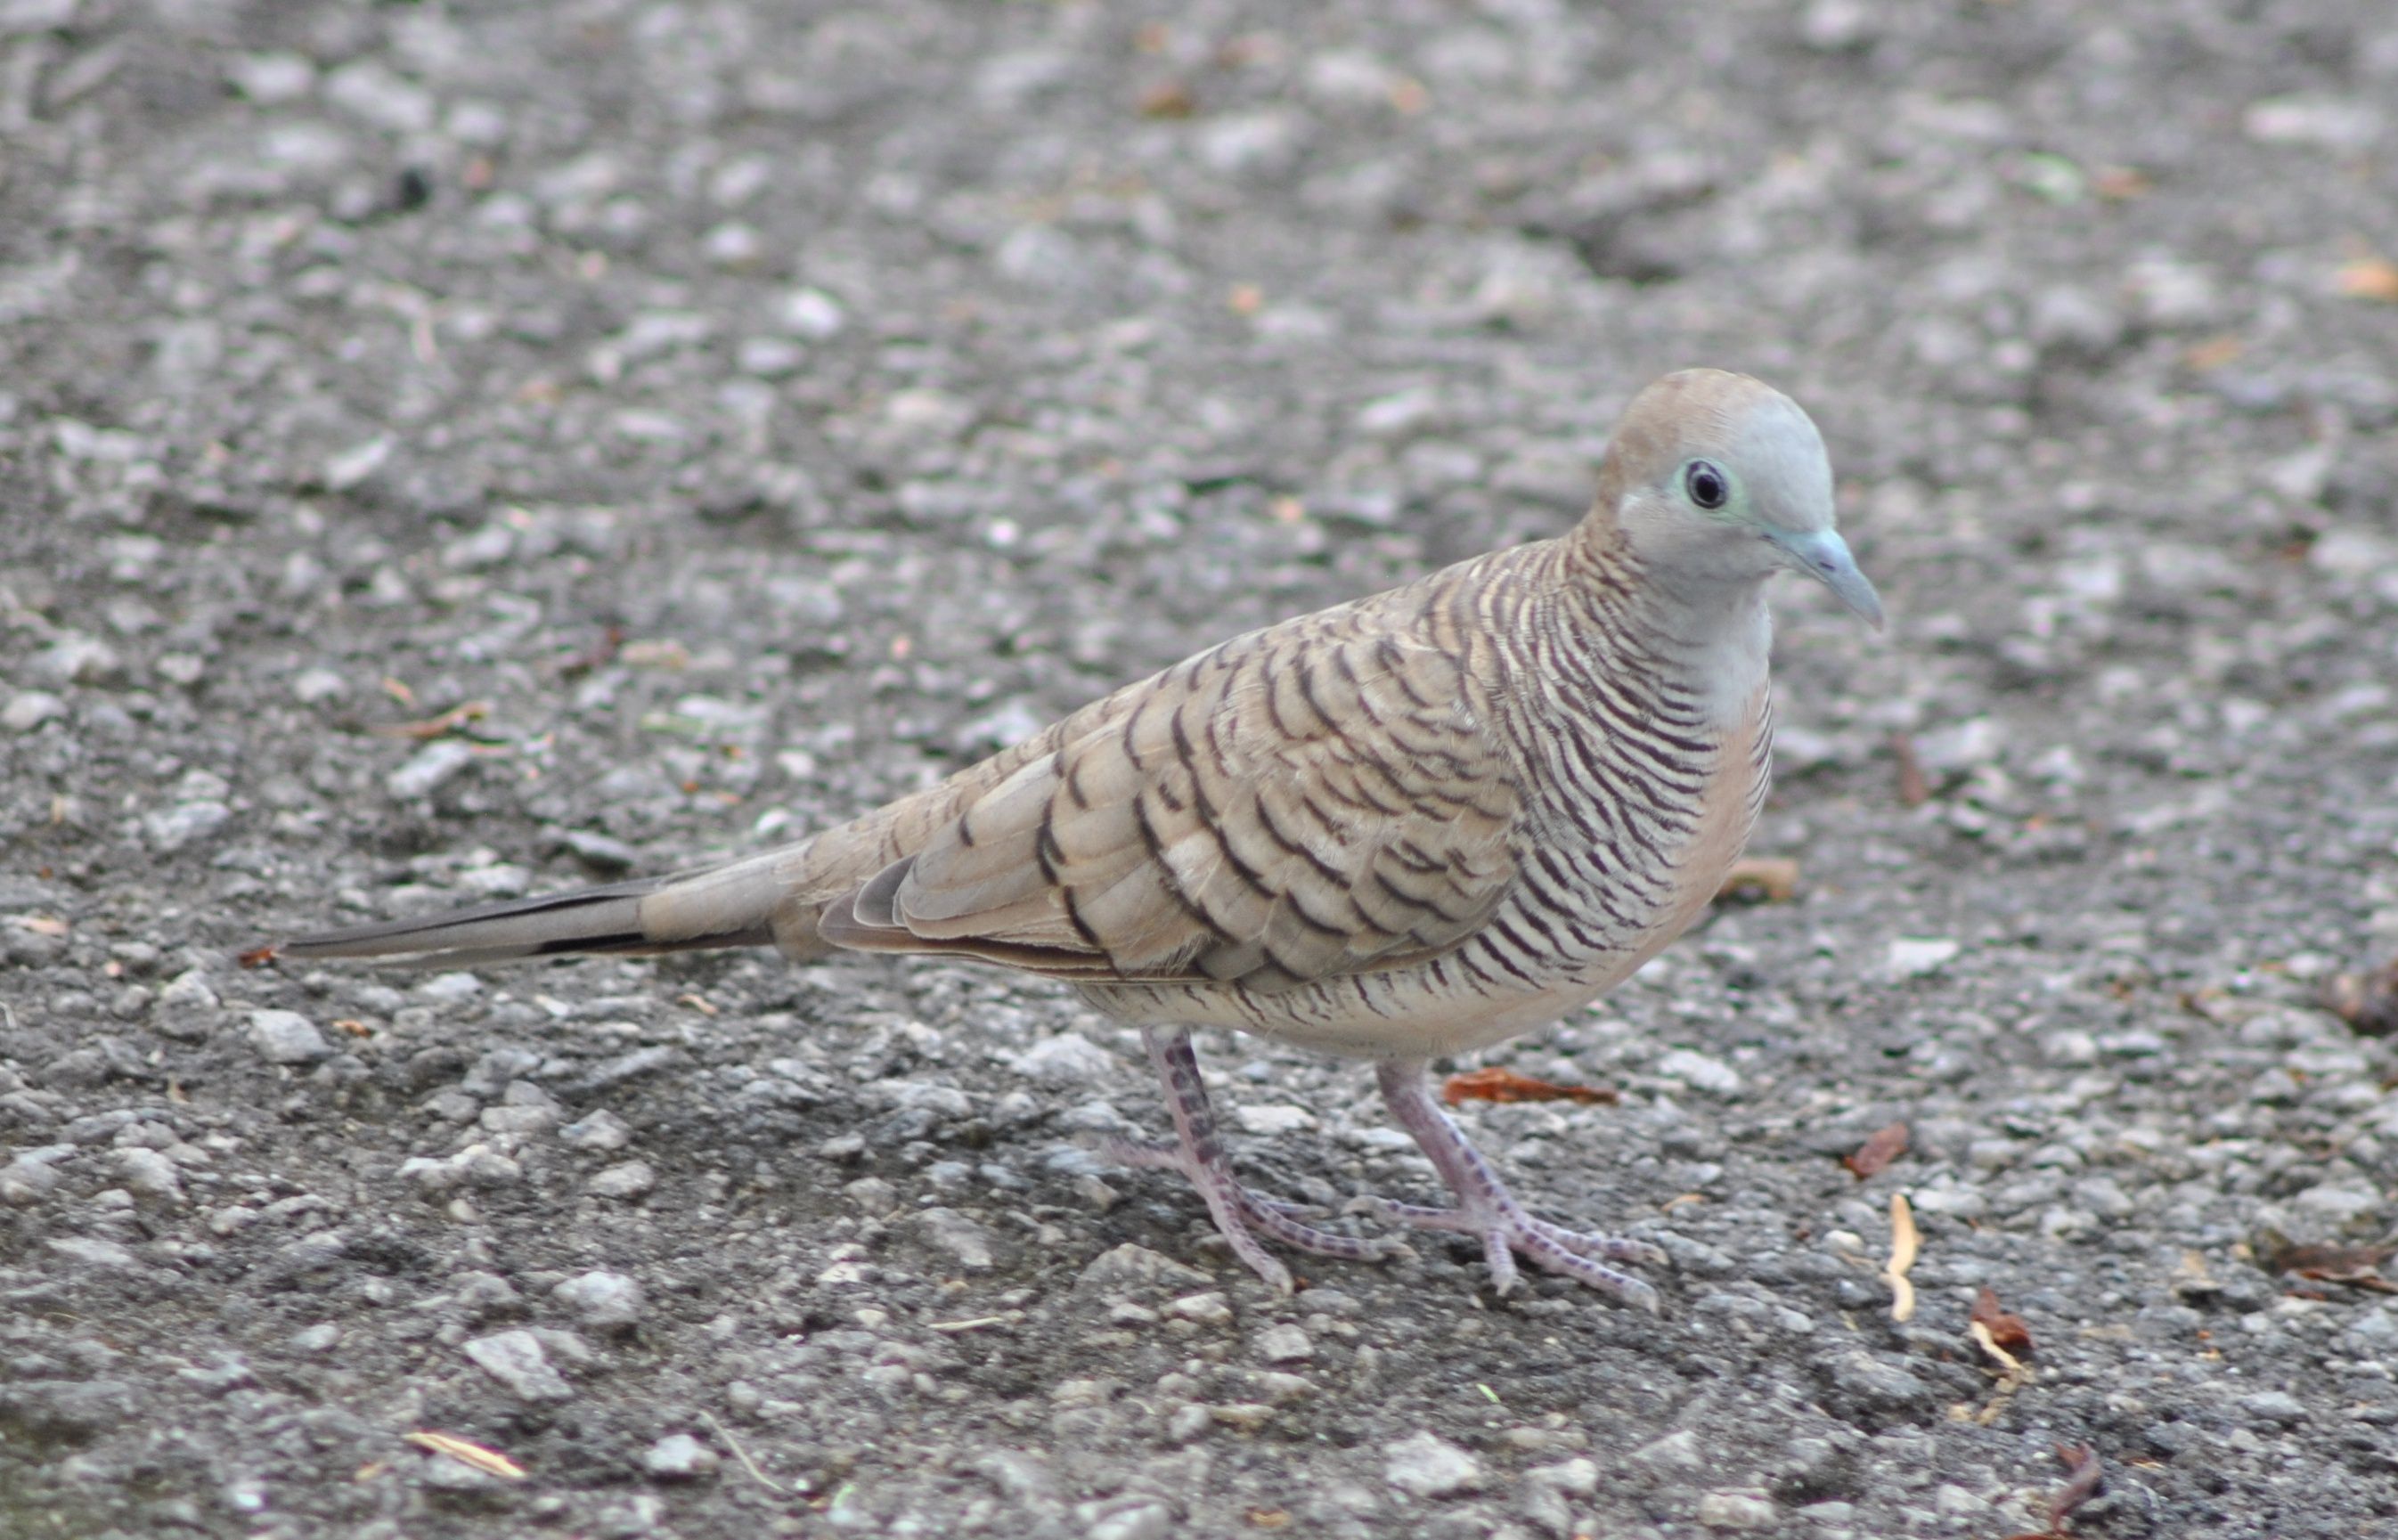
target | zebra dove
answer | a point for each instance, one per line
(1412, 825)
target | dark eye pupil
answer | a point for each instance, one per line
(1707, 485)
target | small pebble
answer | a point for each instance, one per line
(1737, 1511)
(632, 1178)
(680, 1457)
(287, 1037)
(608, 1302)
(601, 1132)
(516, 1359)
(1427, 1465)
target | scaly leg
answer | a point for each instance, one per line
(1485, 1208)
(1198, 1154)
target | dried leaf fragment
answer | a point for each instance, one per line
(438, 726)
(2367, 1002)
(2012, 1373)
(1906, 1240)
(1914, 791)
(491, 1462)
(1169, 99)
(1494, 1083)
(1876, 1153)
(1773, 879)
(598, 655)
(2006, 1328)
(2357, 1266)
(2082, 1475)
(2368, 278)
(2121, 184)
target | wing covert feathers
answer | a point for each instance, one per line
(1316, 799)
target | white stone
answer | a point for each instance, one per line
(516, 1360)
(631, 1179)
(428, 769)
(94, 1253)
(1920, 957)
(680, 1457)
(1069, 1059)
(959, 1237)
(1674, 1452)
(187, 1010)
(149, 1174)
(602, 1132)
(2323, 123)
(1127, 1518)
(602, 1300)
(1576, 1477)
(1272, 1118)
(813, 314)
(171, 829)
(1736, 1510)
(1428, 1465)
(287, 1037)
(29, 709)
(1699, 1072)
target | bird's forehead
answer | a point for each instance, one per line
(1760, 434)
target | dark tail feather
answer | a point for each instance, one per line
(589, 920)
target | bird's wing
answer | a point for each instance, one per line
(1317, 799)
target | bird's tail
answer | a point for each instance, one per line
(732, 905)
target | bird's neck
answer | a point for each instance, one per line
(1712, 636)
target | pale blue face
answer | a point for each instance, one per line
(1773, 479)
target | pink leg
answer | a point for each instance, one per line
(1485, 1208)
(1198, 1154)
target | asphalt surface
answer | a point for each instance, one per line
(449, 451)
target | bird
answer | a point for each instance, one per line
(1409, 826)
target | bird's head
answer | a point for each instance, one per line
(1715, 478)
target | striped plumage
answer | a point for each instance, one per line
(1408, 826)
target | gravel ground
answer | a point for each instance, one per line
(706, 420)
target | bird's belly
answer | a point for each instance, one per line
(1398, 1013)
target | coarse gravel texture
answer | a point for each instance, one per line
(711, 419)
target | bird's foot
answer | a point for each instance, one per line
(1505, 1231)
(1488, 1210)
(1239, 1214)
(1271, 1217)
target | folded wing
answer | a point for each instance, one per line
(1298, 803)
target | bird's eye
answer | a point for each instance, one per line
(1706, 484)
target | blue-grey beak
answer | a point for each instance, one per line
(1824, 557)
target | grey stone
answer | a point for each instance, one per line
(2273, 1406)
(1427, 1465)
(628, 1180)
(430, 768)
(1738, 1511)
(287, 1037)
(600, 1132)
(680, 1457)
(603, 1301)
(29, 709)
(963, 1239)
(516, 1358)
(187, 1008)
